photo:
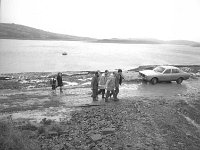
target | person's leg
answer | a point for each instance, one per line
(53, 88)
(61, 91)
(107, 95)
(111, 93)
(103, 93)
(116, 93)
(94, 94)
(100, 91)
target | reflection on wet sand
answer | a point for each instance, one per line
(161, 89)
(146, 89)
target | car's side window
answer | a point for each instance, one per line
(175, 71)
(167, 71)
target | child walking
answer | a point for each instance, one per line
(53, 84)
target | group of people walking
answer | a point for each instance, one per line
(106, 84)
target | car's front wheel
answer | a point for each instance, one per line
(154, 80)
(179, 80)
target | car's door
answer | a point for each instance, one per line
(166, 75)
(176, 74)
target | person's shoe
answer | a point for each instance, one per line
(106, 99)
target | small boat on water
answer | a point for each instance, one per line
(64, 53)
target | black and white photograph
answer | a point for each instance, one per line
(99, 74)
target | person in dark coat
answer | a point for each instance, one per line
(118, 81)
(59, 81)
(94, 86)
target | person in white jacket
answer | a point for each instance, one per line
(102, 83)
(110, 86)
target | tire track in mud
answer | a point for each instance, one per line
(177, 131)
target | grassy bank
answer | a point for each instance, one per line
(14, 139)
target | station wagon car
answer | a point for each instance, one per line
(164, 73)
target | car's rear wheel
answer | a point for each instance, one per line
(154, 80)
(179, 80)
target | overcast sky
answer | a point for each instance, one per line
(160, 19)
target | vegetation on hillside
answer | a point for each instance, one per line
(15, 31)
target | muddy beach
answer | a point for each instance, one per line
(162, 116)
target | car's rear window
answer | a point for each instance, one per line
(159, 69)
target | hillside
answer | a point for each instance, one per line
(184, 42)
(15, 31)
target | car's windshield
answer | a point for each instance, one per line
(159, 69)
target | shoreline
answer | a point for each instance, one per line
(30, 80)
(139, 68)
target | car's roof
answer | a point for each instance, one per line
(169, 67)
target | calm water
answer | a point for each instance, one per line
(39, 56)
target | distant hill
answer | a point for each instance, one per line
(15, 31)
(184, 42)
(131, 41)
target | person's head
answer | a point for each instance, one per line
(99, 72)
(96, 74)
(106, 72)
(120, 71)
(59, 74)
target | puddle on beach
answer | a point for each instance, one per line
(3, 97)
(60, 105)
(161, 89)
(53, 113)
(34, 101)
(149, 90)
(70, 83)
